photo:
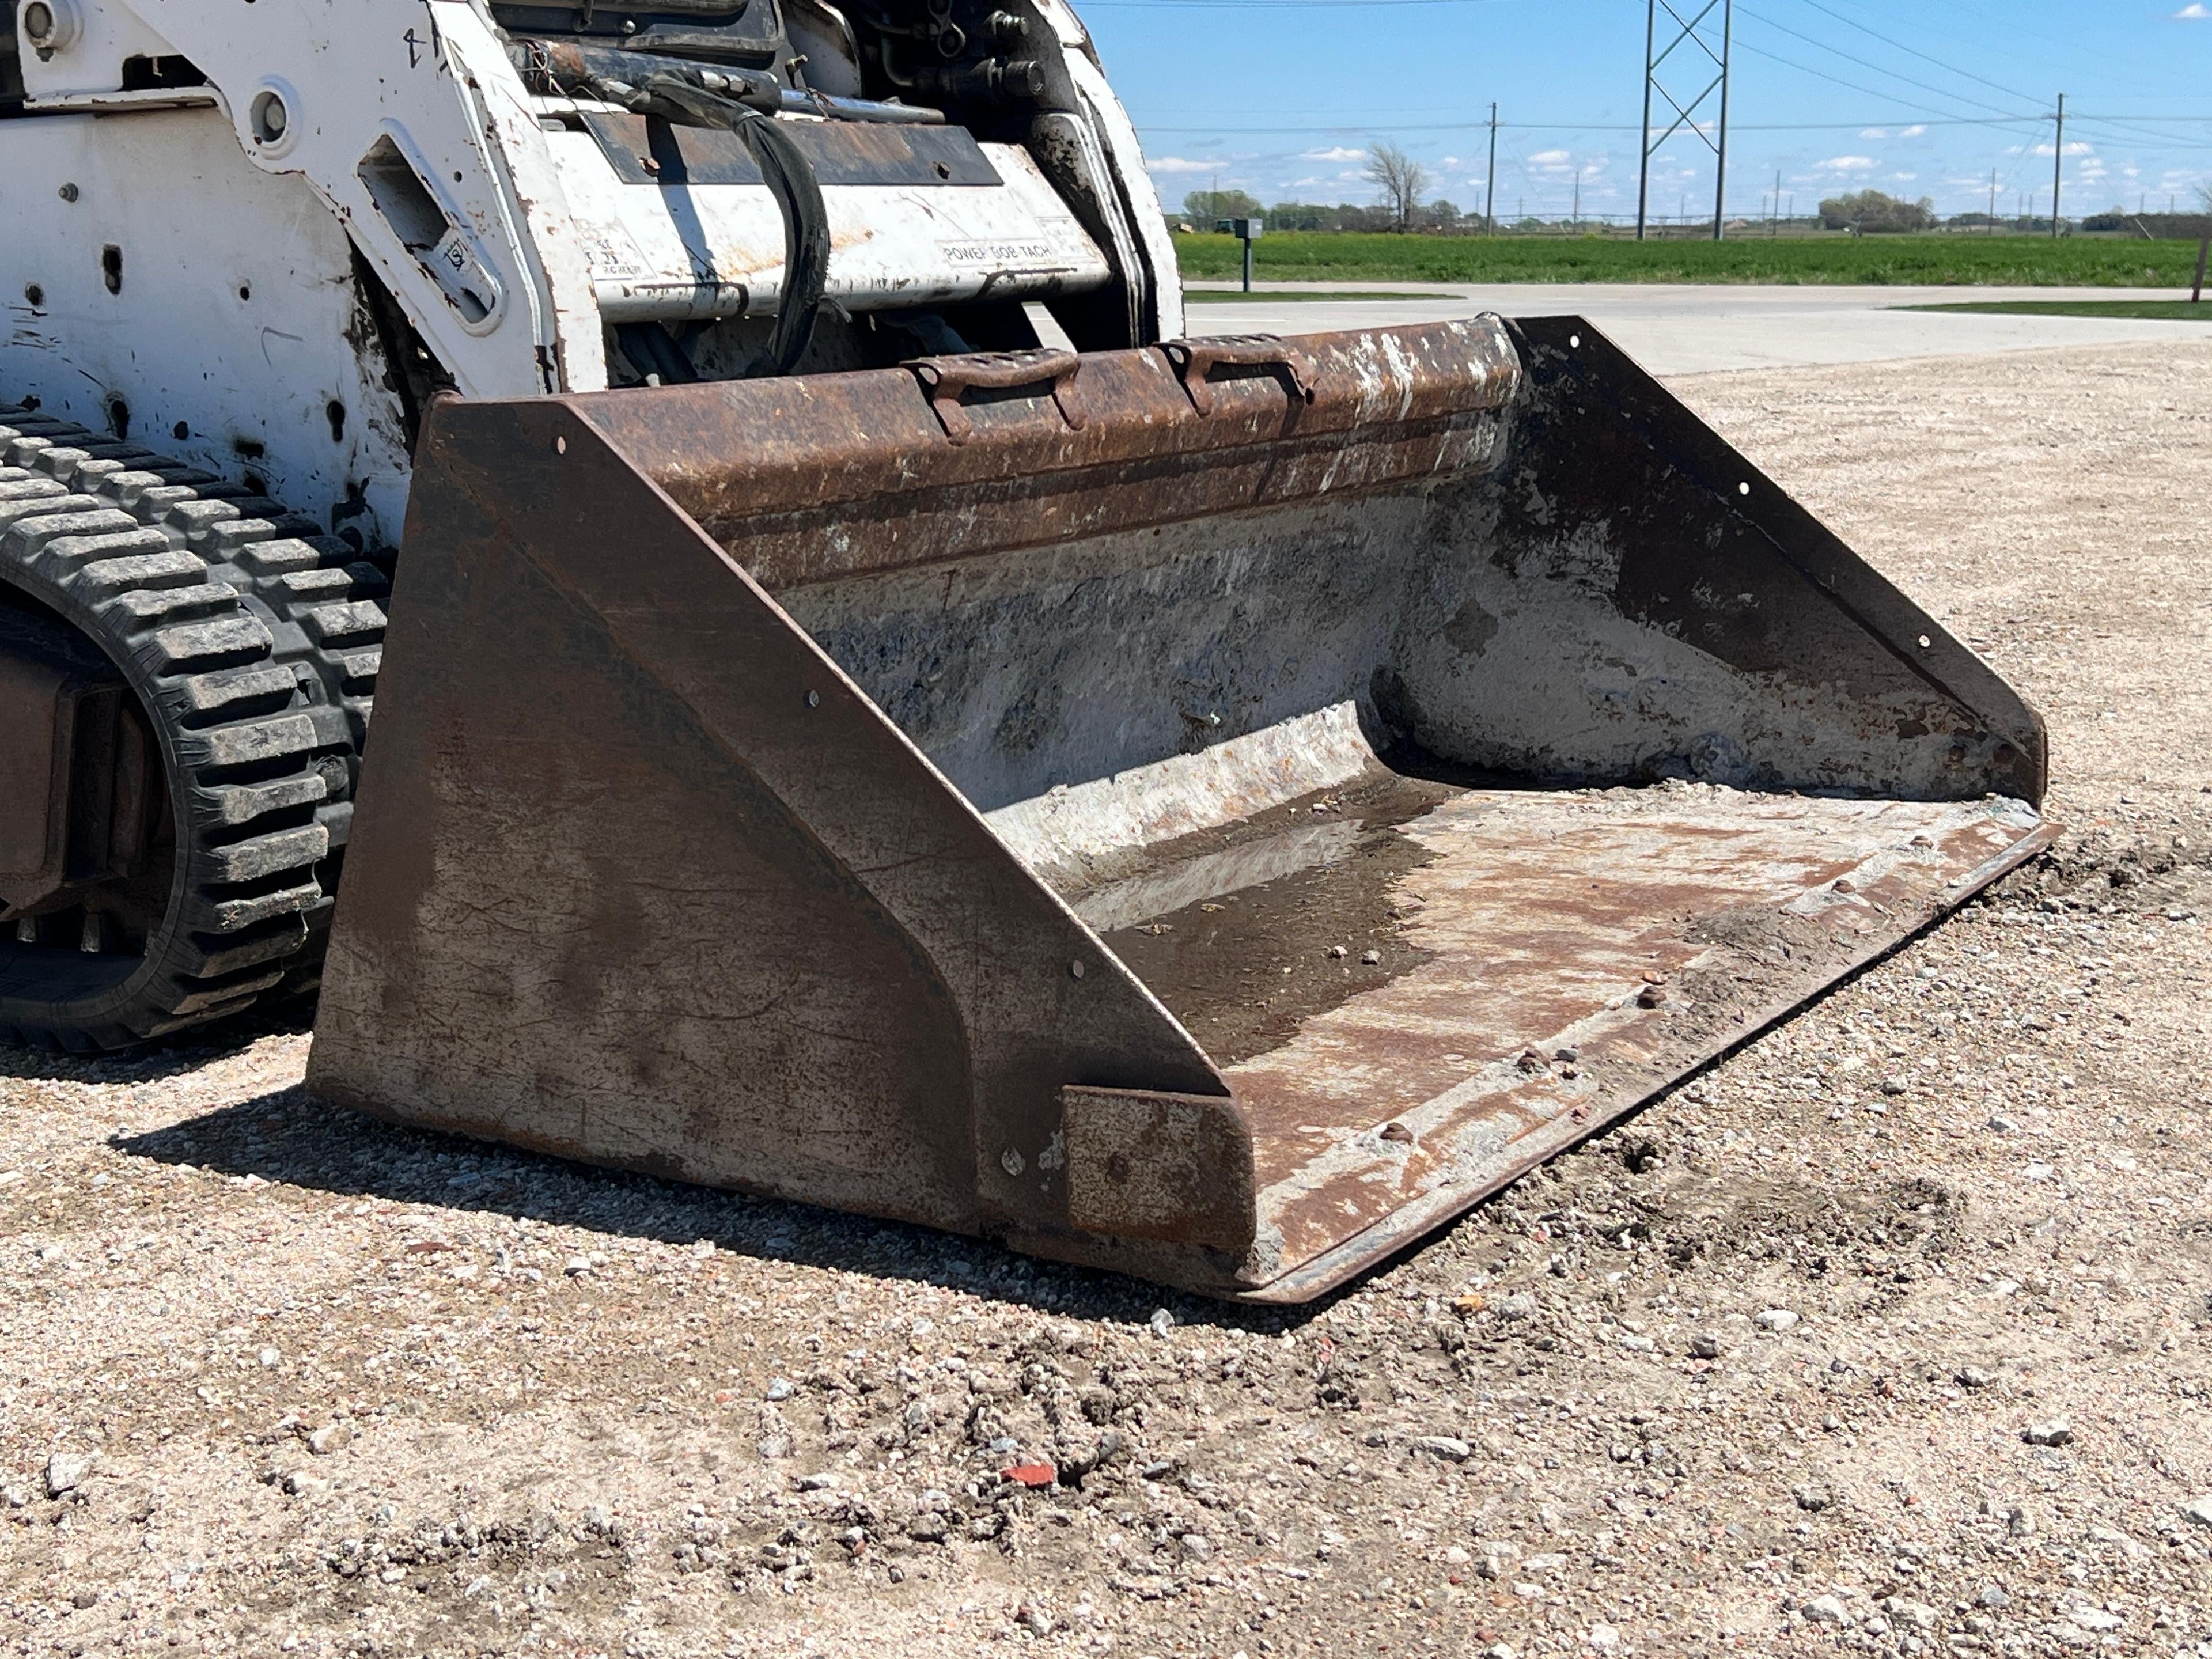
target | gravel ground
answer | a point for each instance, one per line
(1890, 1334)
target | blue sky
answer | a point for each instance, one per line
(1916, 97)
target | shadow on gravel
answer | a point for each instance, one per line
(286, 1140)
(176, 1057)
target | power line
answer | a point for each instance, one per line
(1352, 125)
(1867, 62)
(1950, 117)
(1261, 5)
(1600, 126)
(2007, 27)
(2009, 92)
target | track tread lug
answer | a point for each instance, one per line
(37, 523)
(252, 743)
(191, 644)
(259, 857)
(147, 606)
(228, 915)
(238, 804)
(332, 625)
(205, 694)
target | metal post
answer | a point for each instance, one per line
(1490, 190)
(1248, 264)
(2058, 165)
(1644, 144)
(2203, 250)
(1993, 201)
(1720, 187)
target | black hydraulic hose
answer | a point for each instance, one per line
(652, 351)
(790, 179)
(699, 94)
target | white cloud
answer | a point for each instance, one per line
(1848, 164)
(1549, 158)
(1913, 132)
(1874, 132)
(1904, 177)
(1338, 153)
(2195, 11)
(1180, 164)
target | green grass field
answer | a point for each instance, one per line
(1922, 261)
(2173, 310)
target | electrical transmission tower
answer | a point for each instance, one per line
(1694, 38)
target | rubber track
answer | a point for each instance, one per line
(253, 644)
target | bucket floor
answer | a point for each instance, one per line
(1246, 934)
(1542, 961)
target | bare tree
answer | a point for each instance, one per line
(1399, 177)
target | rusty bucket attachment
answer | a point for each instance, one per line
(1213, 812)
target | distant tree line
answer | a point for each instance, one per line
(1870, 213)
(1202, 209)
(1400, 181)
(2159, 227)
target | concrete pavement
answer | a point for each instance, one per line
(1690, 330)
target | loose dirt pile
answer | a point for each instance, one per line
(1891, 1333)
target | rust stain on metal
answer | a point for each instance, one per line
(1093, 834)
(832, 475)
(1540, 917)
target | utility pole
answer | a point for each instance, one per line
(2058, 165)
(1777, 202)
(1697, 31)
(1490, 190)
(1579, 199)
(1643, 170)
(1720, 150)
(1993, 201)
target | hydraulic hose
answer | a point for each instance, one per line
(703, 95)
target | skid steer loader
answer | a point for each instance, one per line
(872, 711)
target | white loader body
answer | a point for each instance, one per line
(210, 204)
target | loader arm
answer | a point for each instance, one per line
(408, 122)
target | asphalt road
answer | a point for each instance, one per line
(1695, 329)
